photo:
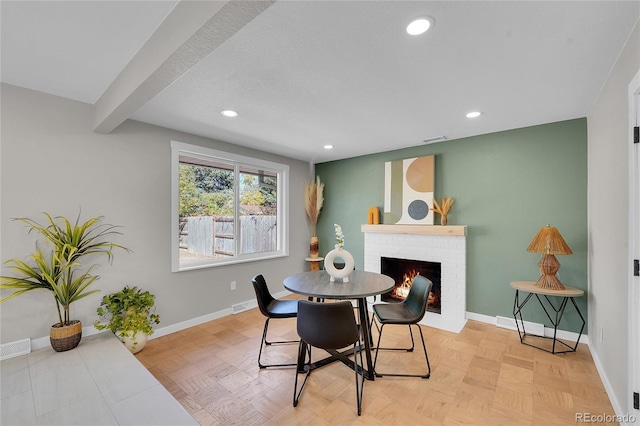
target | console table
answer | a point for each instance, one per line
(566, 295)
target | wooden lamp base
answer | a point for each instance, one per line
(549, 265)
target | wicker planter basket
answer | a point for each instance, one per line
(64, 338)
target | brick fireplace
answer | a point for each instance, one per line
(445, 245)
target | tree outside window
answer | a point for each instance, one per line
(220, 222)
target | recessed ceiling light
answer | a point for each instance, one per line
(328, 147)
(420, 25)
(229, 113)
(474, 114)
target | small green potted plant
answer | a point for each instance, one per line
(129, 314)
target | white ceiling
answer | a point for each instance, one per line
(303, 74)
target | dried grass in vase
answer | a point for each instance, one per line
(443, 209)
(313, 200)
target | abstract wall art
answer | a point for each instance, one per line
(409, 190)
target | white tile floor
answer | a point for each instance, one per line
(98, 383)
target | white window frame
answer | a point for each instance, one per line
(178, 148)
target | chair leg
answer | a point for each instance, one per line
(264, 342)
(281, 342)
(300, 366)
(392, 349)
(303, 364)
(358, 371)
(370, 319)
(424, 346)
(370, 336)
(425, 354)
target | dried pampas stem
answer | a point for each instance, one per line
(313, 200)
(443, 209)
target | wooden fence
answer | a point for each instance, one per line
(214, 236)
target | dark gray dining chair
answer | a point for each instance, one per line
(409, 312)
(329, 326)
(272, 309)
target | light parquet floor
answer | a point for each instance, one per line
(481, 376)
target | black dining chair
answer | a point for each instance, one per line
(329, 326)
(409, 312)
(272, 309)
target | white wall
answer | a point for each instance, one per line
(608, 209)
(52, 161)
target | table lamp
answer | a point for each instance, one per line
(549, 242)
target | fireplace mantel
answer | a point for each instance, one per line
(456, 230)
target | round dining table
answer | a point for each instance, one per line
(362, 284)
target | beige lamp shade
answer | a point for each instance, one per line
(549, 242)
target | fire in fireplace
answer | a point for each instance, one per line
(403, 271)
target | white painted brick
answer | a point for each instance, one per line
(450, 251)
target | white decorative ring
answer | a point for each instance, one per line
(339, 273)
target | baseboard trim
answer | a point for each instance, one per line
(620, 412)
(163, 331)
(436, 321)
(43, 342)
(548, 332)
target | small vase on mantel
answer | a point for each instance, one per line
(314, 248)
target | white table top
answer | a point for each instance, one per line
(530, 286)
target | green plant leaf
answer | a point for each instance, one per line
(127, 312)
(62, 270)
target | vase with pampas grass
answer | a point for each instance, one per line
(312, 205)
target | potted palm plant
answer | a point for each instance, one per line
(60, 269)
(129, 314)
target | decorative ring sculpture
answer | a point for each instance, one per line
(335, 272)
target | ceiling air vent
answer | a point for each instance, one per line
(436, 139)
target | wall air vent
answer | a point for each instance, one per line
(240, 307)
(533, 328)
(14, 349)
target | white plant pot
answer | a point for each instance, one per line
(335, 272)
(134, 345)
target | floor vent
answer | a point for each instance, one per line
(533, 328)
(14, 349)
(235, 309)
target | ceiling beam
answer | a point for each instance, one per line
(189, 33)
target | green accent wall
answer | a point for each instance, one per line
(506, 186)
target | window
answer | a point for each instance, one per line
(226, 208)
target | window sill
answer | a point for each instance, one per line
(203, 265)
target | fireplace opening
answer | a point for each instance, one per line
(403, 271)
